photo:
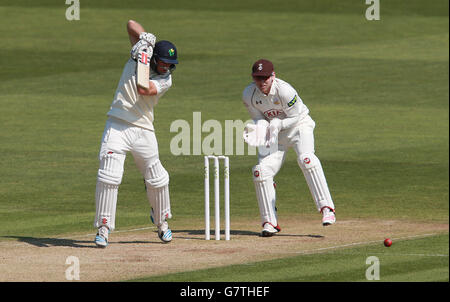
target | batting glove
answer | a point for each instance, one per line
(149, 38)
(139, 47)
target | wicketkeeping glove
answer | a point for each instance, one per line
(256, 134)
(274, 128)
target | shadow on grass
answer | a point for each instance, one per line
(49, 242)
(180, 234)
(237, 233)
(52, 242)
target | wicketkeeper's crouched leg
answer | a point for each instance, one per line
(157, 183)
(315, 178)
(265, 194)
(109, 178)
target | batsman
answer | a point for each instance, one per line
(281, 121)
(146, 77)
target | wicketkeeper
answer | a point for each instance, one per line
(130, 128)
(281, 120)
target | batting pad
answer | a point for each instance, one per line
(111, 168)
(315, 178)
(265, 194)
(106, 201)
(109, 178)
(157, 182)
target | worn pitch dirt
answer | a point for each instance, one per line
(139, 253)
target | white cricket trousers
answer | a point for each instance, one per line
(301, 139)
(120, 137)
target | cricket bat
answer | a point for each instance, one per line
(143, 70)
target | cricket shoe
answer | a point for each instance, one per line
(101, 239)
(329, 217)
(269, 230)
(164, 233)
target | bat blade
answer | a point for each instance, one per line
(143, 70)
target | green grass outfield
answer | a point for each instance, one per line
(378, 91)
(423, 260)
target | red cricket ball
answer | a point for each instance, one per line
(387, 242)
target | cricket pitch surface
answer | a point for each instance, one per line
(137, 253)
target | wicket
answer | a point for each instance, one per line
(226, 175)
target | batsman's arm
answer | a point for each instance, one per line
(152, 90)
(134, 30)
(157, 86)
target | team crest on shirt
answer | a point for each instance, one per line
(272, 113)
(276, 102)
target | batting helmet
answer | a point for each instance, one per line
(166, 52)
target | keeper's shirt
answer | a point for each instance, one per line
(282, 102)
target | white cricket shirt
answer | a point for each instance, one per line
(129, 105)
(282, 102)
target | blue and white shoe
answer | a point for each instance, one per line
(164, 233)
(101, 239)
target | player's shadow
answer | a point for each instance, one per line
(181, 233)
(55, 242)
(298, 235)
(236, 232)
(49, 242)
